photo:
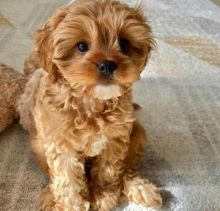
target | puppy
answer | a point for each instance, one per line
(11, 87)
(78, 106)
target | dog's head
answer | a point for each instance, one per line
(101, 44)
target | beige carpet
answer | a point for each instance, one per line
(179, 93)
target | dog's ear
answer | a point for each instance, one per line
(149, 43)
(44, 42)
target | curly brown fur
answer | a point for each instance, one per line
(31, 63)
(81, 120)
(11, 87)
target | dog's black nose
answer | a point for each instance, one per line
(107, 67)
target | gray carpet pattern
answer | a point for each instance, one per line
(179, 94)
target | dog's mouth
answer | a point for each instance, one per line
(106, 80)
(107, 91)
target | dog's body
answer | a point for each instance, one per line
(79, 111)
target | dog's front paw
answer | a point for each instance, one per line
(83, 206)
(105, 201)
(46, 200)
(142, 192)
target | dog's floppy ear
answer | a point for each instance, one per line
(44, 42)
(149, 42)
(150, 45)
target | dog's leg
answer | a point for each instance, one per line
(68, 181)
(38, 152)
(106, 176)
(135, 188)
(46, 201)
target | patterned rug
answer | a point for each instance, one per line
(179, 94)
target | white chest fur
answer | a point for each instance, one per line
(97, 145)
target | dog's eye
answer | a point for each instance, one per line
(82, 47)
(124, 45)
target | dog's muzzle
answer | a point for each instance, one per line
(107, 68)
